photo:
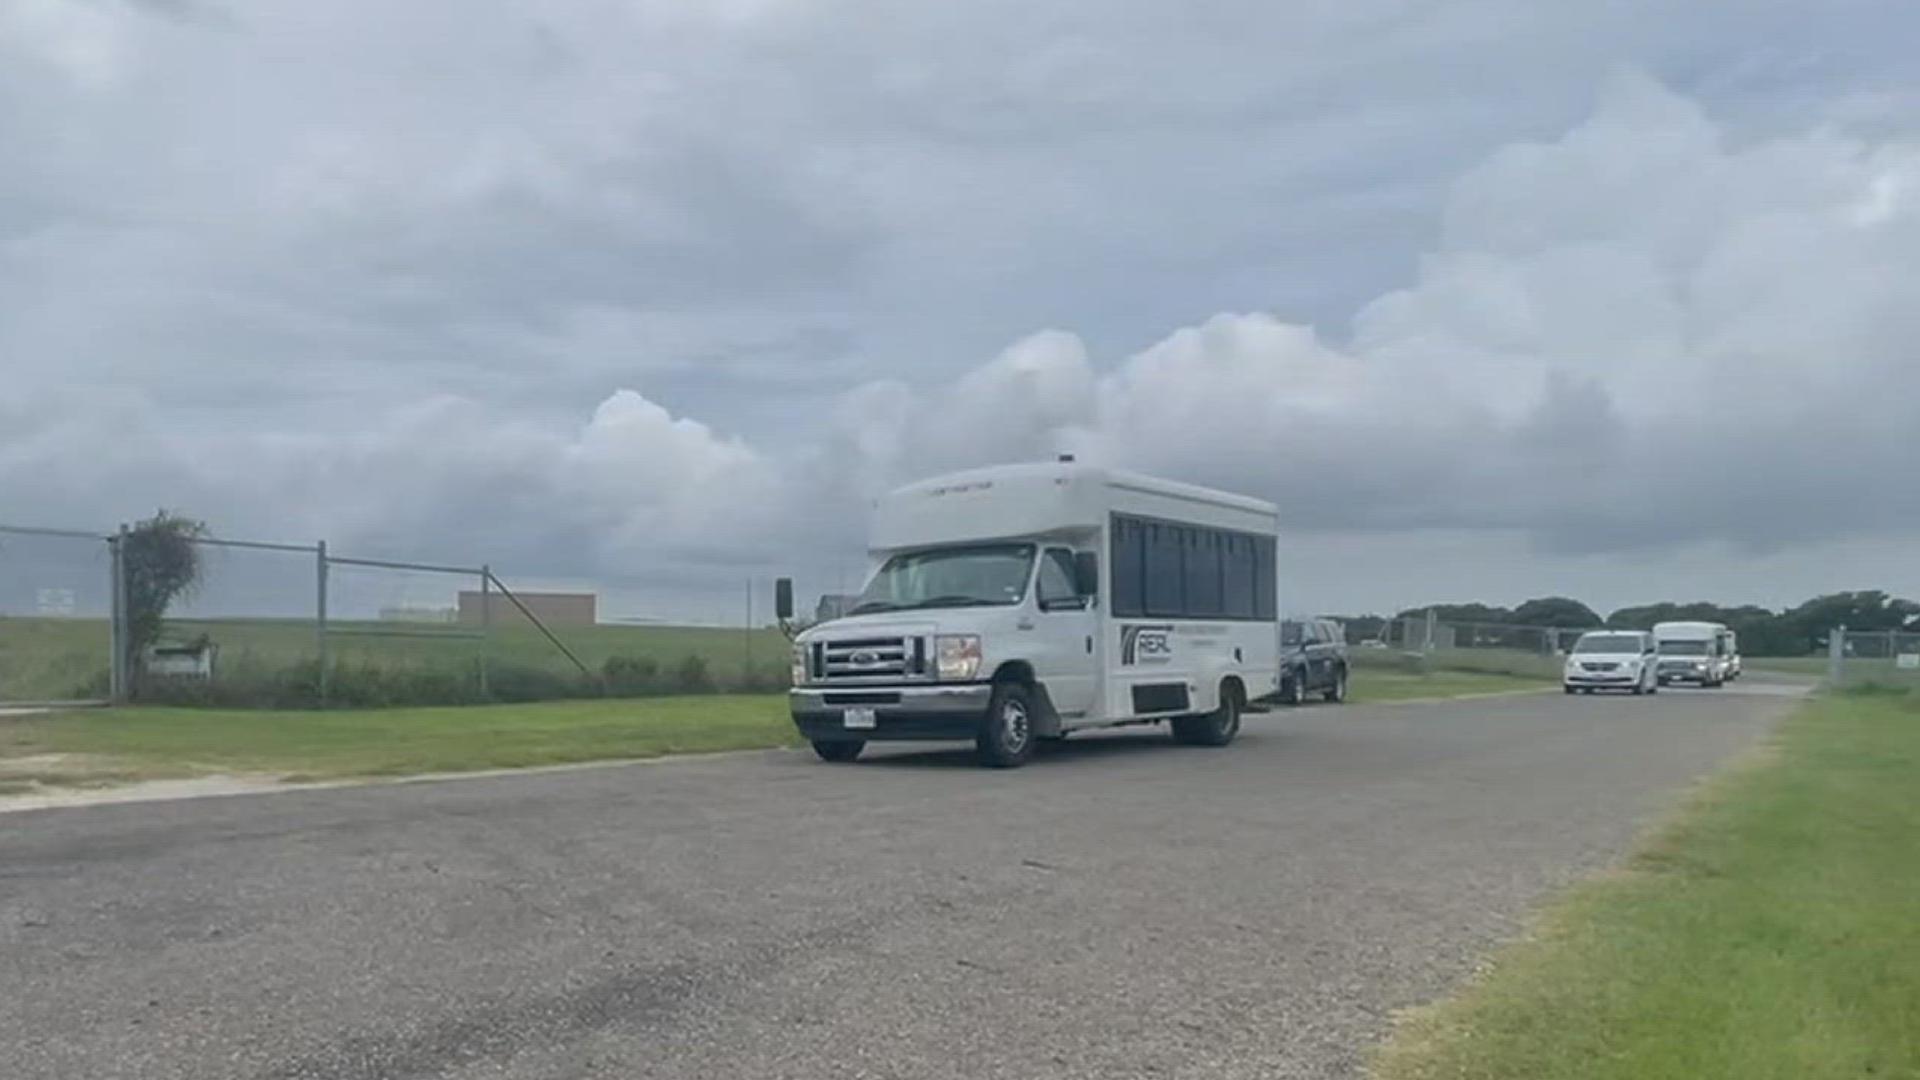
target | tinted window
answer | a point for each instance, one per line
(1056, 577)
(1236, 574)
(1201, 565)
(1166, 579)
(1129, 568)
(1264, 596)
(1171, 571)
(1291, 633)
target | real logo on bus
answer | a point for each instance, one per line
(1144, 644)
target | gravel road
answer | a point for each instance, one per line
(1122, 907)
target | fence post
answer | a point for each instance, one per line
(320, 616)
(1433, 617)
(1836, 655)
(121, 639)
(486, 623)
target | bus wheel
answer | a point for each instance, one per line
(1006, 732)
(1216, 728)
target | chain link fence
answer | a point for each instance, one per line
(56, 601)
(277, 625)
(1426, 642)
(1882, 658)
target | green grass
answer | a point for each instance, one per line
(60, 659)
(52, 659)
(1372, 684)
(1512, 662)
(1771, 931)
(107, 746)
(1857, 671)
(110, 745)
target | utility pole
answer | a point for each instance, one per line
(320, 616)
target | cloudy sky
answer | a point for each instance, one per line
(1494, 297)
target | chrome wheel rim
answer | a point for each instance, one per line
(1015, 729)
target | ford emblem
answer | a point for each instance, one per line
(864, 657)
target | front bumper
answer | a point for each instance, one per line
(1684, 675)
(1601, 678)
(920, 712)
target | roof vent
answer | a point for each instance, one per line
(1066, 459)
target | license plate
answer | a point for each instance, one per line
(858, 719)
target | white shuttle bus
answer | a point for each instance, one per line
(1023, 602)
(1695, 652)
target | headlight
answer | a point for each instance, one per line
(799, 675)
(957, 657)
(1699, 665)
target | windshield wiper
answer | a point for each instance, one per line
(872, 606)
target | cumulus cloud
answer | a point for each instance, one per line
(643, 292)
(1639, 333)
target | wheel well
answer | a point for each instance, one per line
(1016, 671)
(1232, 685)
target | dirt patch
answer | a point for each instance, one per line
(39, 795)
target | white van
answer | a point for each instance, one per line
(1023, 602)
(1695, 652)
(1612, 660)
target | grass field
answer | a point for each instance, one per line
(1771, 931)
(1855, 672)
(61, 659)
(112, 745)
(1384, 685)
(1512, 662)
(108, 746)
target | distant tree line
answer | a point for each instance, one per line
(1763, 632)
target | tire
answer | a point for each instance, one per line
(1569, 689)
(1006, 732)
(1216, 728)
(1337, 693)
(1293, 689)
(838, 750)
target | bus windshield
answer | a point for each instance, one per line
(1683, 648)
(978, 575)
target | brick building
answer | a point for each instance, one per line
(554, 609)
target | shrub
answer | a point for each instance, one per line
(763, 680)
(690, 676)
(630, 676)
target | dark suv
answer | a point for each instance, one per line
(1313, 659)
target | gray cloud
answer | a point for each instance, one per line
(647, 291)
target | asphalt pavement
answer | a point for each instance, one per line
(1122, 907)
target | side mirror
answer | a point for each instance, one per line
(1086, 573)
(783, 598)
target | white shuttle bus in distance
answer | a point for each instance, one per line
(1023, 602)
(1695, 652)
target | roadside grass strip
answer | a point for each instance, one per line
(1770, 930)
